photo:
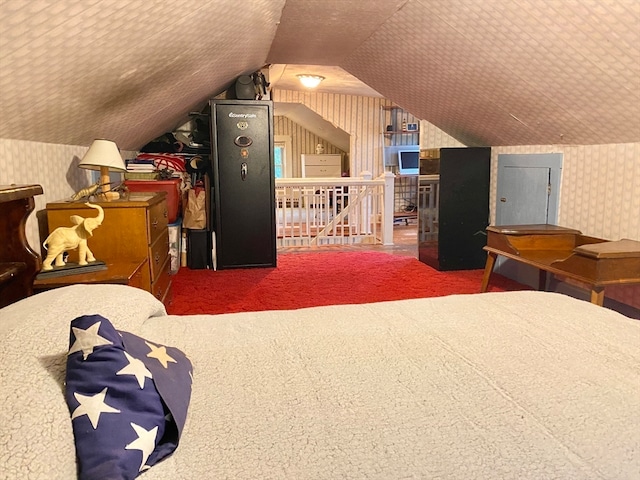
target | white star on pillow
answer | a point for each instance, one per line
(92, 406)
(135, 368)
(87, 340)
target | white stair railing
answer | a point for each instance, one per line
(428, 207)
(329, 211)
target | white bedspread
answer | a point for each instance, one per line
(517, 385)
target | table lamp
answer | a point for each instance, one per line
(104, 155)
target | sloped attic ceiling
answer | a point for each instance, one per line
(488, 73)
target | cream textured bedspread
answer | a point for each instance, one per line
(517, 385)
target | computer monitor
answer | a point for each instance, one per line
(408, 162)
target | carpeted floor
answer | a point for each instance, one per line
(321, 278)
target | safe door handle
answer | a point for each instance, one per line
(243, 171)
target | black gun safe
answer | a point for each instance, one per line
(243, 184)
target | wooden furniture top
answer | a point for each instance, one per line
(116, 272)
(8, 193)
(565, 251)
(622, 248)
(553, 237)
(132, 200)
(535, 229)
(547, 240)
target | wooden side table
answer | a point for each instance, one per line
(123, 273)
(565, 252)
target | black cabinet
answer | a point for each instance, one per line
(243, 186)
(458, 233)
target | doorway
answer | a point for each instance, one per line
(528, 192)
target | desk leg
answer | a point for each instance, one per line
(597, 295)
(488, 269)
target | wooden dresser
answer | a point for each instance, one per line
(18, 262)
(324, 165)
(133, 230)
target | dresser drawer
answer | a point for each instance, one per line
(140, 278)
(161, 287)
(322, 161)
(322, 171)
(158, 254)
(158, 220)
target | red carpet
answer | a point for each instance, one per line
(323, 278)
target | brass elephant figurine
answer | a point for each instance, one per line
(70, 238)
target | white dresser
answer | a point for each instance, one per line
(326, 165)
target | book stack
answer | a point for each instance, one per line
(141, 169)
(140, 165)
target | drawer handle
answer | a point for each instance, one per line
(155, 223)
(157, 258)
(165, 213)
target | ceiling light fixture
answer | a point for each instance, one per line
(310, 81)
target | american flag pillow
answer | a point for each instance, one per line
(128, 398)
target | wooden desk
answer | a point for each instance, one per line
(123, 273)
(18, 262)
(565, 252)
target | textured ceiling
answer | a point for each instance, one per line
(327, 31)
(487, 72)
(518, 72)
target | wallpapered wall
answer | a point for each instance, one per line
(54, 167)
(302, 141)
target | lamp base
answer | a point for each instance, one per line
(108, 196)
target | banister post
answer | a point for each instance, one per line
(366, 205)
(387, 214)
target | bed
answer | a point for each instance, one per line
(512, 385)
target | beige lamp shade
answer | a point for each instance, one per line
(103, 155)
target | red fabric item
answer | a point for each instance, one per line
(322, 278)
(164, 160)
